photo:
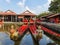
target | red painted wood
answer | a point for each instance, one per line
(32, 28)
(56, 20)
(22, 29)
(49, 31)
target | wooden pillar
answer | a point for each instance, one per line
(56, 20)
(3, 18)
(12, 18)
(3, 22)
(23, 17)
(16, 18)
(31, 16)
(59, 19)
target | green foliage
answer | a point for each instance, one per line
(43, 14)
(55, 6)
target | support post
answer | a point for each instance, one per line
(3, 22)
(11, 18)
(16, 18)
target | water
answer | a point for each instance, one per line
(27, 40)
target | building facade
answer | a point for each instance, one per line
(10, 16)
(53, 18)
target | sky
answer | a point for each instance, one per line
(19, 6)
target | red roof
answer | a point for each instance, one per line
(8, 12)
(47, 15)
(27, 13)
(53, 15)
(1, 13)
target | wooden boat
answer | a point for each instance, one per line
(31, 27)
(55, 32)
(37, 34)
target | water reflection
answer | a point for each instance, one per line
(27, 40)
(5, 40)
(45, 40)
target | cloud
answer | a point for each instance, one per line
(8, 1)
(27, 8)
(21, 3)
(42, 8)
(37, 9)
(47, 4)
(49, 1)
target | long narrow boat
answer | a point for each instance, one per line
(51, 30)
(28, 26)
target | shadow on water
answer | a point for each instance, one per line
(24, 40)
(53, 38)
(35, 41)
(32, 41)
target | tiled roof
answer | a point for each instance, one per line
(27, 13)
(53, 15)
(50, 15)
(8, 12)
(1, 13)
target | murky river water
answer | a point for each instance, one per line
(27, 40)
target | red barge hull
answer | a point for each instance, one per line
(49, 31)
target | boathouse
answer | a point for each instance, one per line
(10, 16)
(26, 14)
(53, 18)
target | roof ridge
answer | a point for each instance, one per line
(9, 11)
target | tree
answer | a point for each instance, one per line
(55, 6)
(43, 14)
